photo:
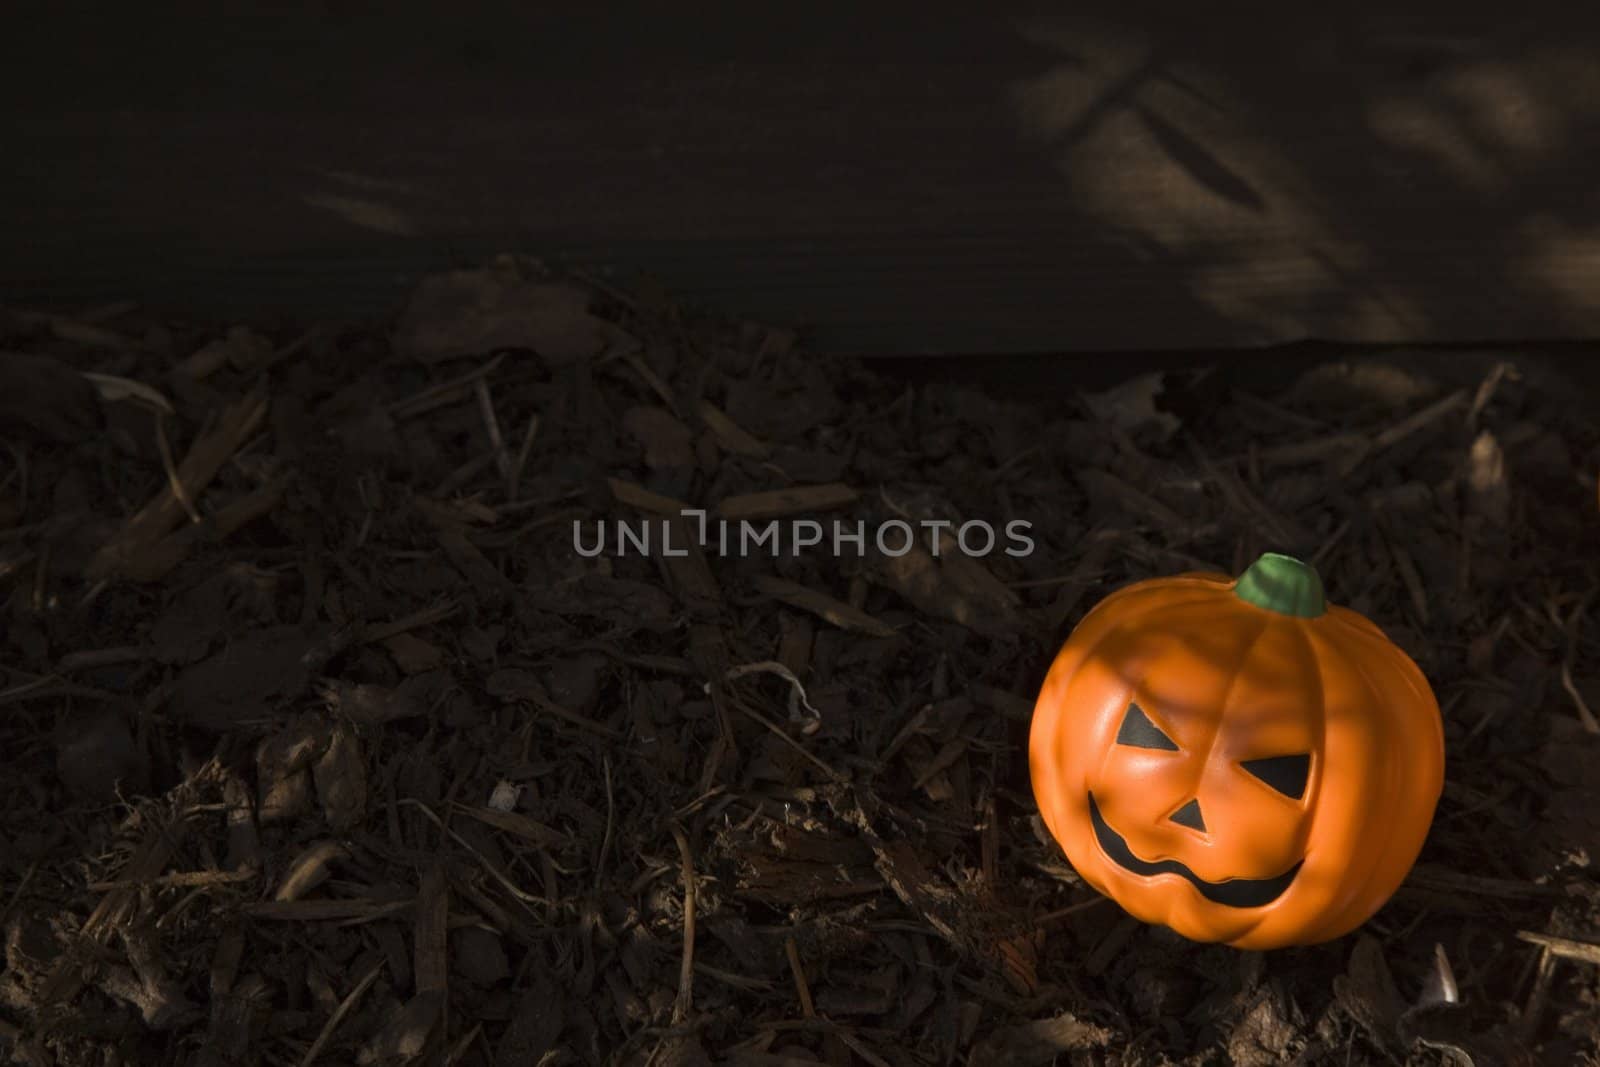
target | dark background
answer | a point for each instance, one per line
(1128, 179)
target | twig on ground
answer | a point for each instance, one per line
(684, 1004)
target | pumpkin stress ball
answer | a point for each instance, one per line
(1237, 760)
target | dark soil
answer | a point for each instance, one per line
(326, 745)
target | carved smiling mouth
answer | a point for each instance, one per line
(1234, 893)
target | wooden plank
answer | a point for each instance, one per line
(1135, 176)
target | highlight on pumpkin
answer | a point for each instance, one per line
(1214, 756)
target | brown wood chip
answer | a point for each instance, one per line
(777, 503)
(821, 605)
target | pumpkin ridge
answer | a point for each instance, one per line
(1057, 725)
(1133, 613)
(1395, 658)
(1319, 763)
(1234, 676)
(1387, 828)
(1357, 622)
(1233, 679)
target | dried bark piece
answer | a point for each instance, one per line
(432, 964)
(283, 764)
(637, 496)
(235, 425)
(1270, 1025)
(310, 869)
(370, 704)
(1368, 993)
(340, 777)
(409, 1033)
(1488, 488)
(953, 586)
(472, 312)
(530, 830)
(147, 983)
(821, 605)
(1037, 1043)
(777, 503)
(241, 347)
(668, 443)
(730, 435)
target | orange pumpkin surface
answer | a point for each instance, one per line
(1237, 760)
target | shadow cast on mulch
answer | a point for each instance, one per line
(332, 737)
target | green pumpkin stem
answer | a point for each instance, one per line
(1283, 584)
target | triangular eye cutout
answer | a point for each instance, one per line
(1189, 815)
(1286, 774)
(1138, 731)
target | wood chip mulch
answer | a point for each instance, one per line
(325, 744)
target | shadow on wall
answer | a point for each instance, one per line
(1174, 136)
(1123, 179)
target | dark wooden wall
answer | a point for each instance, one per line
(900, 181)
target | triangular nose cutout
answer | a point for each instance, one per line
(1189, 815)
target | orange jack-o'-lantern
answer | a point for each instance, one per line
(1237, 760)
